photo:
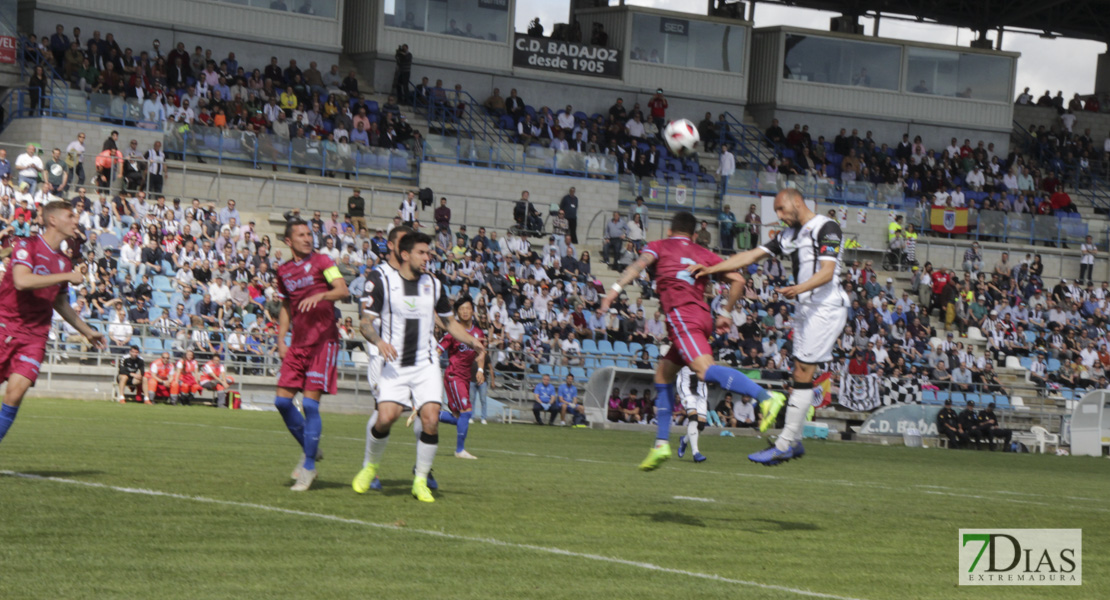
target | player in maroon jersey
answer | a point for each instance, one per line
(690, 322)
(36, 285)
(460, 371)
(308, 286)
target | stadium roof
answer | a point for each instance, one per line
(1082, 19)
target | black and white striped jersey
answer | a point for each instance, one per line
(690, 388)
(818, 240)
(406, 311)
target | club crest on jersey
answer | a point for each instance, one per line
(426, 288)
(307, 268)
(21, 254)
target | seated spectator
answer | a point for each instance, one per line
(545, 401)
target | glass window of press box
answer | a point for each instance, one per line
(477, 19)
(958, 75)
(842, 62)
(316, 8)
(686, 43)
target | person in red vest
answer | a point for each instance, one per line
(940, 278)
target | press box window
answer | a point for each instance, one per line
(842, 62)
(687, 43)
(476, 19)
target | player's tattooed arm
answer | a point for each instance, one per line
(368, 331)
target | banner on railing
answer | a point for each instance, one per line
(948, 220)
(566, 57)
(860, 392)
(8, 46)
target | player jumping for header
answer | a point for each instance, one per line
(813, 242)
(690, 323)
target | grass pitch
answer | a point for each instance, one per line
(186, 502)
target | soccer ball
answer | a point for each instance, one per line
(682, 137)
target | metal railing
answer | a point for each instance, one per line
(1008, 227)
(477, 153)
(749, 143)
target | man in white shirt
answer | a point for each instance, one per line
(76, 150)
(635, 128)
(29, 166)
(940, 198)
(953, 149)
(957, 197)
(219, 290)
(726, 168)
(976, 179)
(566, 119)
(1087, 261)
(130, 259)
(514, 331)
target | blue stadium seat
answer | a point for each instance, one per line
(653, 350)
(152, 345)
(589, 346)
(167, 345)
(942, 396)
(605, 347)
(160, 299)
(1053, 364)
(1001, 401)
(579, 373)
(1068, 394)
(635, 348)
(606, 362)
(345, 360)
(974, 397)
(546, 370)
(1030, 336)
(1026, 362)
(928, 397)
(249, 319)
(621, 348)
(162, 283)
(958, 398)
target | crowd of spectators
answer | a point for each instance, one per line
(277, 109)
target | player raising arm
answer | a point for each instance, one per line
(36, 285)
(308, 285)
(410, 303)
(813, 242)
(690, 323)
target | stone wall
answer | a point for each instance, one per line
(490, 194)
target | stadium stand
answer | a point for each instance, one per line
(989, 333)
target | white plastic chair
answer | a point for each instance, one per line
(1043, 437)
(974, 333)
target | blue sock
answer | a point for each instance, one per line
(735, 381)
(7, 417)
(447, 417)
(312, 427)
(293, 419)
(664, 409)
(464, 426)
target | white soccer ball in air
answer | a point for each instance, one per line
(682, 137)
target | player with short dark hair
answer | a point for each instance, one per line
(462, 361)
(409, 303)
(690, 323)
(814, 243)
(308, 285)
(130, 376)
(36, 285)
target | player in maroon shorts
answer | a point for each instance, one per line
(308, 286)
(36, 285)
(460, 371)
(690, 322)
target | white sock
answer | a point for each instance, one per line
(369, 425)
(692, 435)
(425, 454)
(796, 409)
(377, 449)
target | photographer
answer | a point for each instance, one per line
(401, 76)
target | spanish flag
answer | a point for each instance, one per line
(948, 220)
(822, 390)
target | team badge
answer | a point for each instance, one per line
(21, 254)
(307, 268)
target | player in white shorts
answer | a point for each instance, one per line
(813, 243)
(401, 309)
(694, 394)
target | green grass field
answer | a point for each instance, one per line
(187, 502)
